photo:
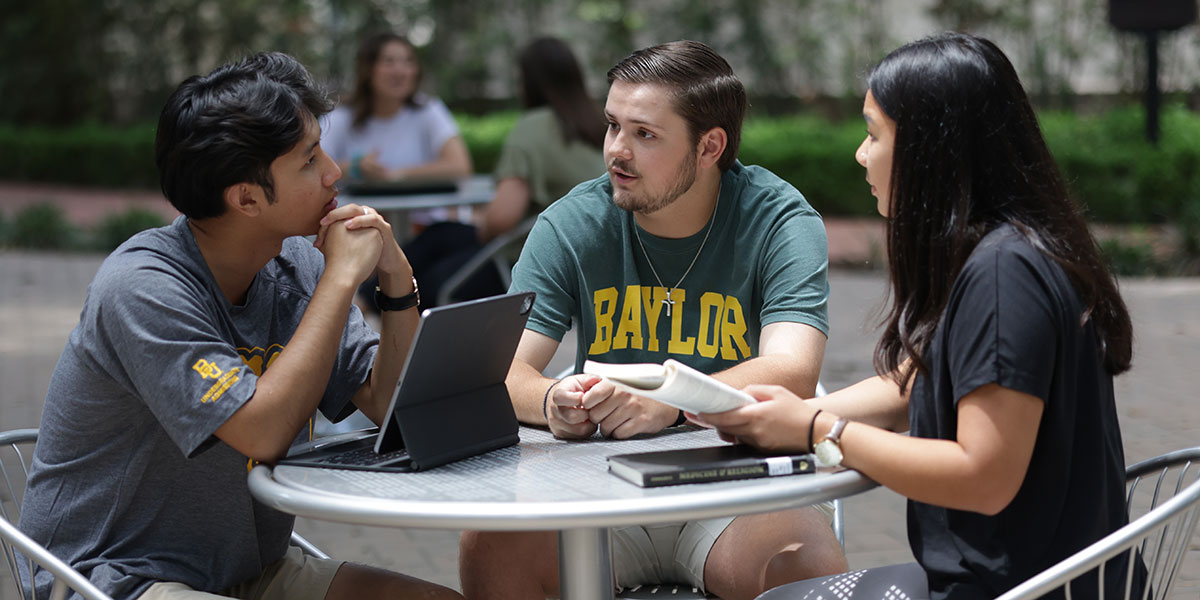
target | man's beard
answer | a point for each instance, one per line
(629, 201)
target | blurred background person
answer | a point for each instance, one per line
(555, 144)
(391, 131)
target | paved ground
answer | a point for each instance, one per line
(41, 294)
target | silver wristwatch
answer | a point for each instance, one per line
(829, 449)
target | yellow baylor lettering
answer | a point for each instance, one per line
(722, 326)
(258, 359)
(652, 303)
(629, 331)
(605, 303)
(733, 332)
(711, 308)
(679, 344)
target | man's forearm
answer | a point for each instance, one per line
(397, 328)
(288, 393)
(527, 389)
(796, 374)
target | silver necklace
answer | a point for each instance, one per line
(668, 301)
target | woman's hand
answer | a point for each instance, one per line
(779, 422)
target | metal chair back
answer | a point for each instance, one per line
(493, 254)
(1164, 504)
(16, 454)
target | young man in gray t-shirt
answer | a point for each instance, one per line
(208, 345)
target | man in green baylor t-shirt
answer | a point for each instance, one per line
(679, 252)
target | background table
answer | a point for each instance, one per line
(477, 189)
(540, 484)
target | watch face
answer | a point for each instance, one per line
(829, 454)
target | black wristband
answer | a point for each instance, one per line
(405, 302)
(680, 420)
(812, 424)
(546, 400)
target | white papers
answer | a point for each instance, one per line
(672, 383)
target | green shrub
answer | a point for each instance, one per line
(87, 154)
(1130, 258)
(1117, 175)
(117, 227)
(44, 227)
(4, 233)
(485, 136)
(815, 156)
(1108, 165)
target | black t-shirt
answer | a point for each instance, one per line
(1013, 319)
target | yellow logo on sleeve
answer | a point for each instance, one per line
(256, 359)
(223, 383)
(206, 369)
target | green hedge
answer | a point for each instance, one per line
(1108, 164)
(87, 154)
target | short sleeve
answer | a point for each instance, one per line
(545, 269)
(441, 125)
(795, 281)
(157, 338)
(515, 159)
(1002, 324)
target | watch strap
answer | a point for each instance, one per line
(835, 433)
(405, 302)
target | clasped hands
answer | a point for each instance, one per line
(357, 240)
(580, 405)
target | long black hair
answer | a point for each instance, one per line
(969, 156)
(550, 76)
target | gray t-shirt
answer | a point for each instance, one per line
(128, 483)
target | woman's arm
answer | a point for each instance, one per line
(980, 471)
(505, 210)
(452, 162)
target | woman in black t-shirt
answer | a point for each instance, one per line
(999, 348)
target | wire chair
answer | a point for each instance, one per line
(16, 454)
(1165, 492)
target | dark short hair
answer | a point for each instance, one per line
(969, 156)
(704, 89)
(227, 127)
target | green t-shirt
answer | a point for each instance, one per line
(534, 151)
(765, 262)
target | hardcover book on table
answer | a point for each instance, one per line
(710, 463)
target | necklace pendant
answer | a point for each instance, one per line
(668, 302)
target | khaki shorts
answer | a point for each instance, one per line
(671, 553)
(294, 577)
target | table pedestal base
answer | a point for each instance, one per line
(585, 564)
